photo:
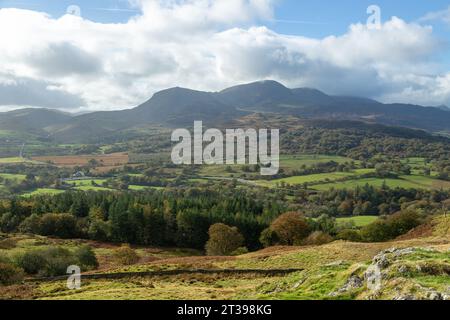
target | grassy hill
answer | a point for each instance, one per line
(417, 267)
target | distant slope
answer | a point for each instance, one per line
(179, 106)
(171, 108)
(38, 121)
(271, 96)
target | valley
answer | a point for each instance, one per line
(100, 191)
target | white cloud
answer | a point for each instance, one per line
(28, 92)
(442, 15)
(208, 45)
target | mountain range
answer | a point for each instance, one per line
(179, 107)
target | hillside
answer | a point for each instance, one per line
(417, 268)
(271, 96)
(37, 121)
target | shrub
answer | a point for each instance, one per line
(268, 238)
(394, 226)
(239, 251)
(290, 227)
(125, 255)
(31, 262)
(99, 230)
(9, 222)
(57, 261)
(31, 224)
(377, 231)
(223, 240)
(86, 258)
(10, 274)
(62, 225)
(326, 224)
(403, 221)
(318, 238)
(54, 261)
(349, 235)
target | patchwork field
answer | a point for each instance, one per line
(413, 181)
(109, 160)
(326, 181)
(315, 178)
(288, 163)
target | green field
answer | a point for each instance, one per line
(295, 162)
(11, 160)
(87, 182)
(415, 162)
(413, 181)
(42, 191)
(86, 185)
(287, 162)
(92, 188)
(359, 221)
(314, 178)
(141, 188)
(15, 177)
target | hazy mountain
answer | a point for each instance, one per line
(32, 120)
(258, 94)
(445, 108)
(180, 107)
(271, 96)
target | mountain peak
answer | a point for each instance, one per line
(177, 90)
(260, 92)
(263, 84)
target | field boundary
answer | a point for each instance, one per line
(121, 275)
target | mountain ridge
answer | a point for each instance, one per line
(181, 106)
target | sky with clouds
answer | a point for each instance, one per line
(106, 55)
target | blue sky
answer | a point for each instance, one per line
(334, 17)
(310, 18)
(105, 60)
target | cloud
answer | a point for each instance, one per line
(63, 59)
(442, 15)
(208, 45)
(362, 61)
(25, 92)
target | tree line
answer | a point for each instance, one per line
(182, 217)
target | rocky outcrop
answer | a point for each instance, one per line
(391, 276)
